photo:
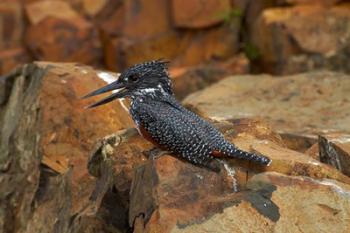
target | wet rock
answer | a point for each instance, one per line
(46, 136)
(334, 149)
(75, 39)
(304, 104)
(287, 45)
(196, 14)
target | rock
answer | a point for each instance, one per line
(46, 136)
(264, 208)
(39, 10)
(310, 2)
(10, 58)
(11, 24)
(169, 195)
(75, 40)
(313, 151)
(299, 142)
(217, 43)
(287, 45)
(334, 149)
(292, 104)
(112, 26)
(166, 192)
(196, 14)
(122, 53)
(145, 19)
(189, 79)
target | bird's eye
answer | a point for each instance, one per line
(133, 77)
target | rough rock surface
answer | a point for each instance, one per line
(287, 44)
(179, 197)
(291, 104)
(46, 136)
(49, 183)
(334, 149)
(11, 24)
(195, 14)
(75, 39)
(189, 79)
(274, 203)
(10, 58)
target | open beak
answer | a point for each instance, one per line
(121, 93)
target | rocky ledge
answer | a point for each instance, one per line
(67, 169)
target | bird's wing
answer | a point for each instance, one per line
(174, 130)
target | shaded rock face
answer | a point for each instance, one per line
(46, 136)
(334, 149)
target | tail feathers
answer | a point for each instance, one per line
(232, 151)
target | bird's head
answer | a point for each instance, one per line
(144, 79)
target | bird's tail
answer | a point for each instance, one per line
(231, 150)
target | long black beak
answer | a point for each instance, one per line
(110, 87)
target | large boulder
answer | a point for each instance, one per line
(286, 44)
(68, 36)
(196, 14)
(46, 137)
(305, 104)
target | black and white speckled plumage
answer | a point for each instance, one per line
(184, 133)
(170, 125)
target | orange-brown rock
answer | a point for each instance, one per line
(310, 2)
(112, 26)
(257, 136)
(45, 141)
(187, 80)
(199, 14)
(217, 43)
(10, 58)
(313, 151)
(334, 149)
(169, 195)
(11, 24)
(121, 52)
(146, 18)
(299, 142)
(274, 203)
(286, 44)
(39, 10)
(57, 39)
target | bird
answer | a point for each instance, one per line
(168, 125)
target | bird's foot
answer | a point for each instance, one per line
(155, 153)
